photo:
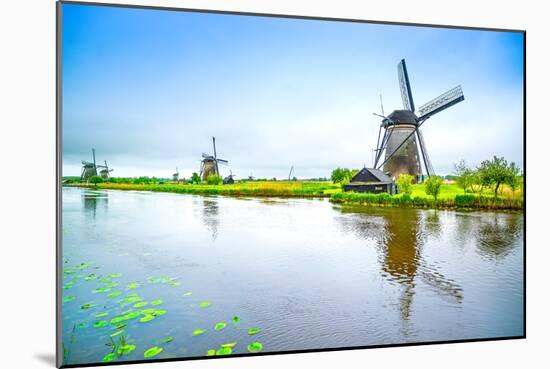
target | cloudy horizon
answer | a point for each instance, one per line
(149, 88)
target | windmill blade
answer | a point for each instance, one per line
(405, 86)
(440, 103)
(222, 161)
(425, 156)
(206, 156)
(93, 154)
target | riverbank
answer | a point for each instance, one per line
(451, 197)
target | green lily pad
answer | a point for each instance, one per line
(87, 306)
(140, 304)
(188, 294)
(204, 304)
(126, 349)
(115, 275)
(101, 323)
(82, 325)
(159, 312)
(224, 351)
(255, 347)
(114, 294)
(198, 332)
(147, 311)
(99, 315)
(68, 298)
(210, 352)
(232, 344)
(156, 302)
(132, 285)
(175, 284)
(253, 331)
(110, 357)
(102, 289)
(153, 351)
(147, 318)
(90, 277)
(116, 333)
(219, 326)
(132, 299)
(120, 325)
(132, 294)
(132, 315)
(167, 339)
(236, 320)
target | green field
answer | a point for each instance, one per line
(451, 196)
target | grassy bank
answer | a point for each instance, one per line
(451, 196)
(449, 201)
(248, 188)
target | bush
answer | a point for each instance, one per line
(465, 201)
(404, 184)
(433, 186)
(96, 179)
(195, 179)
(214, 179)
(341, 175)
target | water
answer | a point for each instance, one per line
(308, 273)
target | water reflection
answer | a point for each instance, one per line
(400, 236)
(91, 200)
(210, 216)
(498, 235)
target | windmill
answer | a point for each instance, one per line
(402, 134)
(89, 169)
(209, 163)
(176, 176)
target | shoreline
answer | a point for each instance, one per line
(324, 191)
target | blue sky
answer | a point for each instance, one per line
(148, 89)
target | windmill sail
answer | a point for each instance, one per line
(440, 103)
(405, 86)
(427, 161)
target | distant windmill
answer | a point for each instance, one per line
(209, 163)
(402, 129)
(229, 179)
(89, 169)
(290, 173)
(176, 176)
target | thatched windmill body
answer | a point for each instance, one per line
(403, 143)
(210, 163)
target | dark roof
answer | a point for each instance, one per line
(403, 116)
(371, 175)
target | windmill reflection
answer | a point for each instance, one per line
(91, 200)
(210, 218)
(400, 235)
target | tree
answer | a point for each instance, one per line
(195, 179)
(514, 180)
(96, 179)
(341, 175)
(404, 184)
(465, 177)
(496, 172)
(214, 179)
(433, 186)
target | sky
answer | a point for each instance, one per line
(149, 88)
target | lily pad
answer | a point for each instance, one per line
(147, 318)
(153, 351)
(132, 285)
(210, 352)
(82, 325)
(110, 357)
(175, 284)
(126, 349)
(132, 299)
(253, 331)
(101, 323)
(120, 325)
(99, 315)
(232, 344)
(198, 332)
(68, 298)
(115, 275)
(114, 294)
(102, 289)
(236, 320)
(204, 304)
(116, 333)
(159, 312)
(140, 304)
(224, 351)
(87, 306)
(255, 347)
(219, 326)
(167, 339)
(156, 302)
(188, 294)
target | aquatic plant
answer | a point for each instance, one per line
(253, 331)
(198, 332)
(153, 351)
(219, 326)
(255, 347)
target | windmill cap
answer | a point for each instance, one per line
(403, 116)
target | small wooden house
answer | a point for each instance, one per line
(371, 180)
